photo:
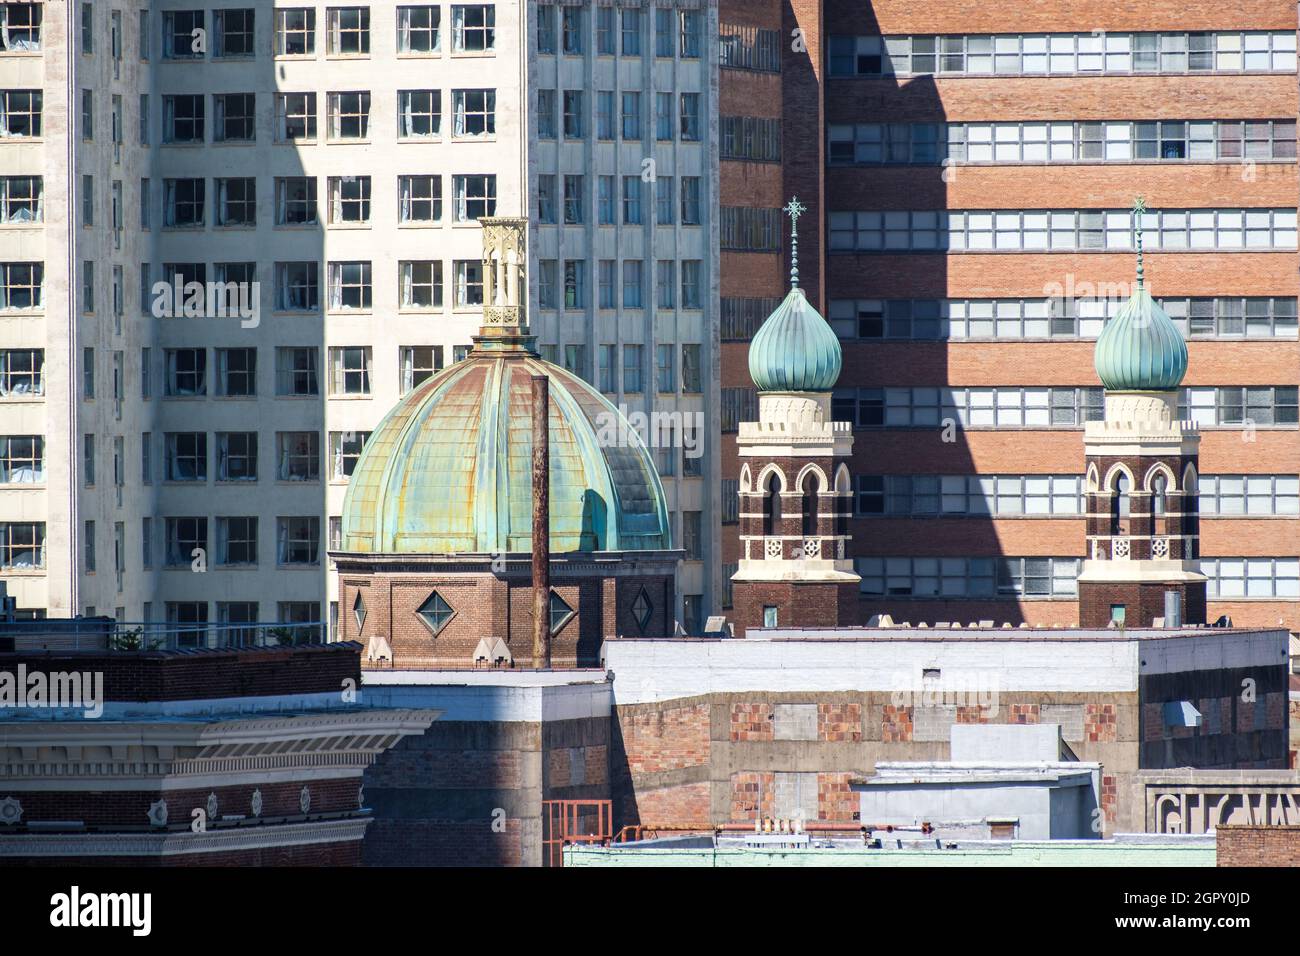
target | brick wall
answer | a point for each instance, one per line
(1257, 845)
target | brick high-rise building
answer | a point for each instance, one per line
(969, 170)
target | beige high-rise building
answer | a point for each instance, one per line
(232, 237)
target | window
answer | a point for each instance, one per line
(631, 23)
(575, 284)
(418, 29)
(435, 612)
(236, 456)
(183, 34)
(665, 32)
(632, 116)
(1231, 495)
(632, 284)
(234, 118)
(604, 113)
(664, 201)
(295, 201)
(968, 577)
(21, 200)
(295, 32)
(349, 200)
(88, 289)
(692, 284)
(345, 451)
(295, 371)
(349, 31)
(574, 114)
(691, 369)
(186, 372)
(632, 365)
(350, 285)
(665, 370)
(666, 284)
(419, 114)
(573, 28)
(693, 535)
(234, 33)
(189, 618)
(297, 286)
(185, 202)
(476, 197)
(237, 372)
(575, 359)
(22, 546)
(22, 27)
(22, 372)
(22, 459)
(87, 200)
(297, 456)
(545, 28)
(631, 200)
(186, 456)
(608, 371)
(546, 199)
(605, 36)
(295, 115)
(421, 198)
(20, 113)
(473, 27)
(469, 282)
(419, 363)
(749, 229)
(88, 460)
(605, 200)
(574, 200)
(1257, 405)
(421, 285)
(87, 28)
(692, 31)
(237, 202)
(349, 115)
(1252, 577)
(298, 540)
(546, 114)
(21, 285)
(546, 283)
(474, 113)
(560, 613)
(350, 370)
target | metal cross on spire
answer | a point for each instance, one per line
(794, 209)
(1139, 209)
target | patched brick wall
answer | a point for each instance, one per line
(1100, 724)
(839, 722)
(1257, 846)
(671, 738)
(896, 724)
(683, 805)
(751, 722)
(835, 801)
(752, 795)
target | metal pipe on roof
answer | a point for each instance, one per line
(541, 521)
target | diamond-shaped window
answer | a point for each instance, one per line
(560, 612)
(435, 612)
(359, 612)
(642, 609)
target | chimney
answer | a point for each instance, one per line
(541, 522)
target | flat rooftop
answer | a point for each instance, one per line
(960, 632)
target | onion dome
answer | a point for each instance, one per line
(795, 349)
(1140, 349)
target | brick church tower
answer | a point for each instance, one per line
(1141, 485)
(795, 491)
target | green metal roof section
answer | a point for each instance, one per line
(449, 470)
(795, 349)
(1140, 349)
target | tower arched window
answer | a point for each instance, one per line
(771, 505)
(1119, 506)
(1159, 504)
(810, 507)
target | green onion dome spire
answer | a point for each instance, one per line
(1140, 349)
(795, 350)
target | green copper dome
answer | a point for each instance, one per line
(1140, 349)
(795, 350)
(449, 469)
